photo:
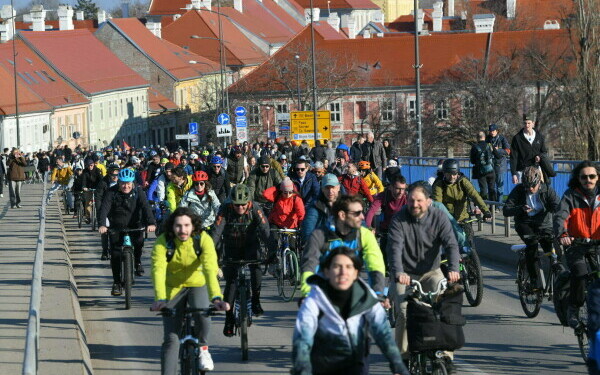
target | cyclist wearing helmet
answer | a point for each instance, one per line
(180, 184)
(107, 182)
(532, 204)
(202, 200)
(218, 178)
(125, 206)
(239, 225)
(454, 190)
(373, 182)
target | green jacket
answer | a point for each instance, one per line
(456, 196)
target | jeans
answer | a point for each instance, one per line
(500, 172)
(486, 186)
(66, 188)
(169, 357)
(14, 189)
(1, 183)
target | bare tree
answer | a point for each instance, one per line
(137, 9)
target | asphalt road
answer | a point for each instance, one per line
(500, 339)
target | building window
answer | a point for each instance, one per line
(336, 111)
(101, 111)
(442, 110)
(254, 115)
(468, 106)
(109, 109)
(282, 108)
(412, 109)
(361, 110)
(387, 110)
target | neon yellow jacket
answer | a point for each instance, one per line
(62, 175)
(102, 168)
(185, 268)
(174, 193)
(373, 183)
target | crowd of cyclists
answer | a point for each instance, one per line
(353, 213)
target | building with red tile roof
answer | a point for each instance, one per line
(118, 95)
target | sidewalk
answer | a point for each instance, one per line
(63, 347)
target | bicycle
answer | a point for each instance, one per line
(127, 280)
(426, 362)
(189, 344)
(287, 269)
(532, 296)
(65, 200)
(79, 208)
(470, 266)
(242, 306)
(93, 217)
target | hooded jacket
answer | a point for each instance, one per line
(204, 207)
(325, 342)
(356, 185)
(62, 175)
(576, 217)
(174, 193)
(456, 196)
(287, 212)
(373, 183)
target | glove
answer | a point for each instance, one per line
(487, 215)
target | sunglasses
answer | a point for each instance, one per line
(114, 175)
(588, 176)
(300, 169)
(240, 205)
(201, 183)
(216, 166)
(355, 213)
(265, 166)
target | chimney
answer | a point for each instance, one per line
(154, 27)
(124, 9)
(7, 13)
(484, 23)
(511, 8)
(237, 5)
(101, 16)
(316, 14)
(196, 4)
(420, 19)
(207, 4)
(334, 21)
(65, 17)
(351, 28)
(367, 34)
(79, 15)
(38, 18)
(378, 17)
(437, 15)
(551, 25)
(450, 8)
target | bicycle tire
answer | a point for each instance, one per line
(291, 276)
(531, 301)
(189, 359)
(391, 313)
(438, 367)
(93, 219)
(80, 214)
(581, 333)
(127, 272)
(473, 283)
(415, 365)
(244, 322)
(65, 203)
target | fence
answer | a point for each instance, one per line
(415, 168)
(32, 340)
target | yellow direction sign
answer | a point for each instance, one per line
(302, 125)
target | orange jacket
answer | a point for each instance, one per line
(576, 218)
(286, 212)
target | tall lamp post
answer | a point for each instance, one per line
(298, 81)
(14, 49)
(314, 70)
(417, 67)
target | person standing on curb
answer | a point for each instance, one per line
(501, 149)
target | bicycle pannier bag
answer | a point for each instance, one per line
(437, 327)
(562, 285)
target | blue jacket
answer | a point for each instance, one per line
(317, 216)
(310, 190)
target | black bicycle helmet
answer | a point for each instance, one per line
(240, 194)
(450, 166)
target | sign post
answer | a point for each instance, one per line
(224, 127)
(302, 126)
(241, 124)
(192, 130)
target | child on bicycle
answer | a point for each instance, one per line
(185, 268)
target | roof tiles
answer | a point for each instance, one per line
(28, 100)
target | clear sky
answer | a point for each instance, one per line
(103, 4)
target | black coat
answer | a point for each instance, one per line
(523, 153)
(518, 198)
(126, 210)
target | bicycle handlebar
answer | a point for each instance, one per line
(418, 288)
(126, 230)
(207, 311)
(284, 230)
(241, 262)
(585, 241)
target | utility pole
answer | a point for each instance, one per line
(417, 67)
(314, 71)
(14, 48)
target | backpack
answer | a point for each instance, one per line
(171, 248)
(485, 157)
(562, 287)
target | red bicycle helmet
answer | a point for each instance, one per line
(200, 176)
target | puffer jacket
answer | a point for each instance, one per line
(286, 212)
(456, 196)
(373, 183)
(62, 175)
(576, 217)
(185, 269)
(204, 207)
(323, 340)
(174, 193)
(356, 185)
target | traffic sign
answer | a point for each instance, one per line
(223, 119)
(193, 137)
(224, 130)
(241, 134)
(240, 111)
(241, 121)
(193, 128)
(302, 124)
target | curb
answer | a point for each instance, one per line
(81, 332)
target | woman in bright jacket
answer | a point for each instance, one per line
(179, 185)
(333, 325)
(288, 209)
(185, 257)
(371, 179)
(202, 200)
(354, 184)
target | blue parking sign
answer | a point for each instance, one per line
(193, 128)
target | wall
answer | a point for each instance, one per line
(32, 133)
(66, 121)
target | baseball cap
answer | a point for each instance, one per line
(493, 127)
(330, 180)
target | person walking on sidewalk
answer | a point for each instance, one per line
(16, 173)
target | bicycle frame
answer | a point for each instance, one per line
(127, 279)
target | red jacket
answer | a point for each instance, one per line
(355, 185)
(576, 218)
(286, 212)
(175, 161)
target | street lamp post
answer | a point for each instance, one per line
(14, 48)
(417, 67)
(298, 81)
(314, 71)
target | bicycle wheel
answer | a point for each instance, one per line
(127, 272)
(531, 300)
(244, 323)
(473, 281)
(391, 313)
(80, 214)
(416, 365)
(65, 203)
(189, 359)
(93, 218)
(438, 367)
(290, 275)
(581, 333)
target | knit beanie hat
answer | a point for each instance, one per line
(286, 184)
